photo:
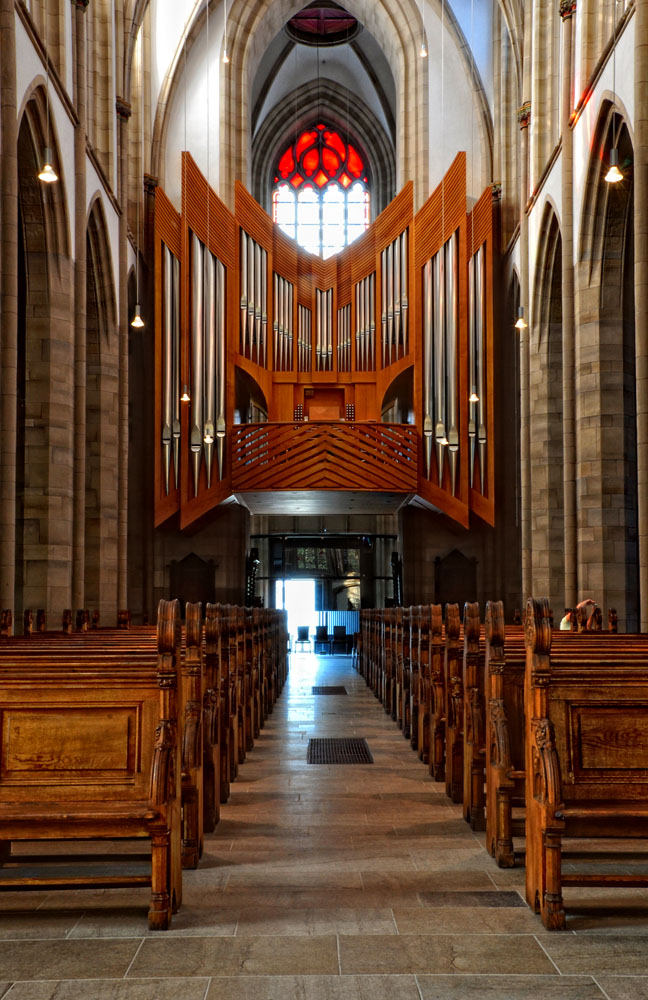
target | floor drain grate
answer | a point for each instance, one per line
(329, 690)
(345, 751)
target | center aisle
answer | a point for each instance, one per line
(357, 882)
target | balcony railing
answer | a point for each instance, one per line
(324, 455)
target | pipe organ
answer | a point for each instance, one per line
(335, 382)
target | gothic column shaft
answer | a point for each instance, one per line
(8, 300)
(80, 95)
(525, 382)
(641, 291)
(124, 112)
(567, 9)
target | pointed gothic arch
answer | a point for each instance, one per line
(547, 526)
(45, 372)
(102, 398)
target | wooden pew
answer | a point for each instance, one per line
(504, 737)
(437, 695)
(93, 754)
(192, 738)
(586, 761)
(454, 711)
(473, 720)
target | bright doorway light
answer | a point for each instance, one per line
(297, 597)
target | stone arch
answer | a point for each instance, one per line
(606, 416)
(332, 102)
(45, 375)
(399, 32)
(102, 406)
(546, 371)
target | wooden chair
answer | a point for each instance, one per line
(303, 637)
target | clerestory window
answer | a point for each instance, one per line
(321, 194)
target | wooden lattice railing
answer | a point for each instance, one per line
(324, 456)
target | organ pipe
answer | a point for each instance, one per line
(167, 408)
(197, 325)
(451, 342)
(175, 367)
(209, 354)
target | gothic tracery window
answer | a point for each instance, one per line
(321, 192)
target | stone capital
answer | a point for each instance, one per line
(81, 5)
(524, 114)
(123, 108)
(496, 191)
(567, 8)
(150, 183)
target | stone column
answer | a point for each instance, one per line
(148, 531)
(524, 117)
(567, 10)
(123, 114)
(8, 300)
(80, 278)
(641, 291)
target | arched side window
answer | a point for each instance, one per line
(321, 194)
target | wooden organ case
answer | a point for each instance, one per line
(371, 371)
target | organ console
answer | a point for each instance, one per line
(375, 372)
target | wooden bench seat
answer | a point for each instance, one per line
(586, 761)
(94, 755)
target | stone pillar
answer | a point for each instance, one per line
(524, 117)
(567, 10)
(641, 291)
(123, 114)
(80, 278)
(8, 300)
(148, 531)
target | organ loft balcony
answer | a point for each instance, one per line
(357, 383)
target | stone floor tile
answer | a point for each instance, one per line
(112, 989)
(200, 919)
(66, 959)
(478, 954)
(271, 956)
(321, 921)
(597, 954)
(624, 987)
(468, 919)
(509, 988)
(37, 924)
(315, 988)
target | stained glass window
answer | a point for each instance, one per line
(321, 191)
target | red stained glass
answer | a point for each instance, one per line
(355, 164)
(330, 161)
(287, 163)
(318, 159)
(335, 141)
(310, 162)
(305, 140)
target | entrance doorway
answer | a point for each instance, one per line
(297, 597)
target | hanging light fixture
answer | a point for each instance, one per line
(137, 322)
(47, 174)
(614, 175)
(520, 323)
(185, 397)
(423, 53)
(473, 398)
(225, 55)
